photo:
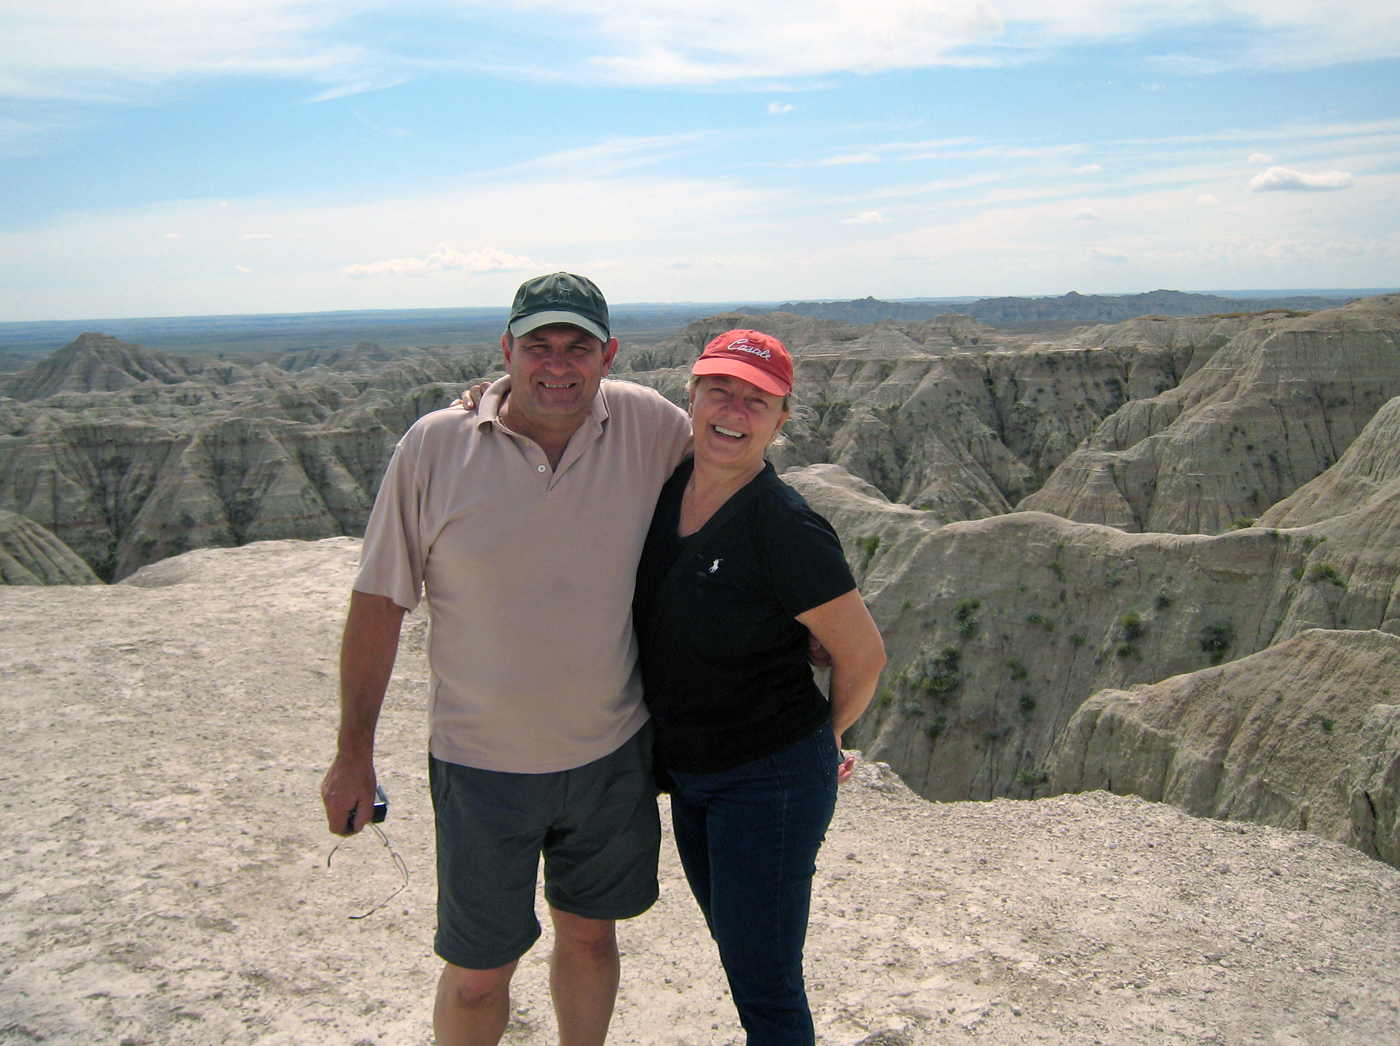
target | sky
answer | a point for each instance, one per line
(209, 157)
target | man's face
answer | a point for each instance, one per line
(555, 372)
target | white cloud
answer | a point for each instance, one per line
(1260, 158)
(346, 90)
(445, 259)
(1282, 179)
(173, 236)
(1085, 214)
(865, 218)
(1088, 168)
(1107, 254)
(240, 268)
(97, 49)
(1206, 200)
(255, 236)
(837, 161)
(777, 108)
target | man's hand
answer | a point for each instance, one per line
(348, 793)
(471, 395)
(817, 654)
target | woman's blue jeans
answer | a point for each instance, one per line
(748, 839)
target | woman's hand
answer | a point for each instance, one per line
(846, 768)
(472, 394)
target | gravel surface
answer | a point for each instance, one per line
(163, 871)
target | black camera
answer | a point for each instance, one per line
(381, 805)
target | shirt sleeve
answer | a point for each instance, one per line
(392, 558)
(806, 564)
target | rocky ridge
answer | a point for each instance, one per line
(1301, 735)
(130, 455)
(1271, 411)
(30, 555)
(999, 629)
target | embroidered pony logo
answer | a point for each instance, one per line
(714, 566)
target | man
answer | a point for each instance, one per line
(523, 522)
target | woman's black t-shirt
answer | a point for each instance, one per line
(724, 660)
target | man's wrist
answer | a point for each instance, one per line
(354, 750)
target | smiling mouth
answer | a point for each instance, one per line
(556, 385)
(727, 433)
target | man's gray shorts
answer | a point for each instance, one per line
(596, 825)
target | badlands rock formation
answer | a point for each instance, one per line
(30, 555)
(1000, 628)
(130, 455)
(1300, 735)
(1272, 410)
(165, 875)
(952, 417)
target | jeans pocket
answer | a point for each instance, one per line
(823, 744)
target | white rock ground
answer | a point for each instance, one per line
(163, 869)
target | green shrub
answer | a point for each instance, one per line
(1328, 724)
(1298, 573)
(885, 698)
(966, 616)
(1243, 523)
(1076, 640)
(1018, 670)
(1027, 703)
(1216, 639)
(1133, 628)
(1325, 572)
(1031, 778)
(937, 723)
(938, 676)
(1127, 650)
(1162, 602)
(868, 547)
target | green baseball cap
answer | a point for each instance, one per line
(560, 297)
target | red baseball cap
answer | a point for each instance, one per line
(753, 356)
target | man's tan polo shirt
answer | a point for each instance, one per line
(528, 572)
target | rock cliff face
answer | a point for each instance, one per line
(1271, 411)
(998, 629)
(1373, 784)
(129, 455)
(30, 555)
(1284, 737)
(949, 415)
(1367, 474)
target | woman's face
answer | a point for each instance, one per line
(734, 421)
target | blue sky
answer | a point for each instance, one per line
(175, 157)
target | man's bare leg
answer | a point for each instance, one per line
(472, 1006)
(583, 976)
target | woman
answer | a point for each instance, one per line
(737, 570)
